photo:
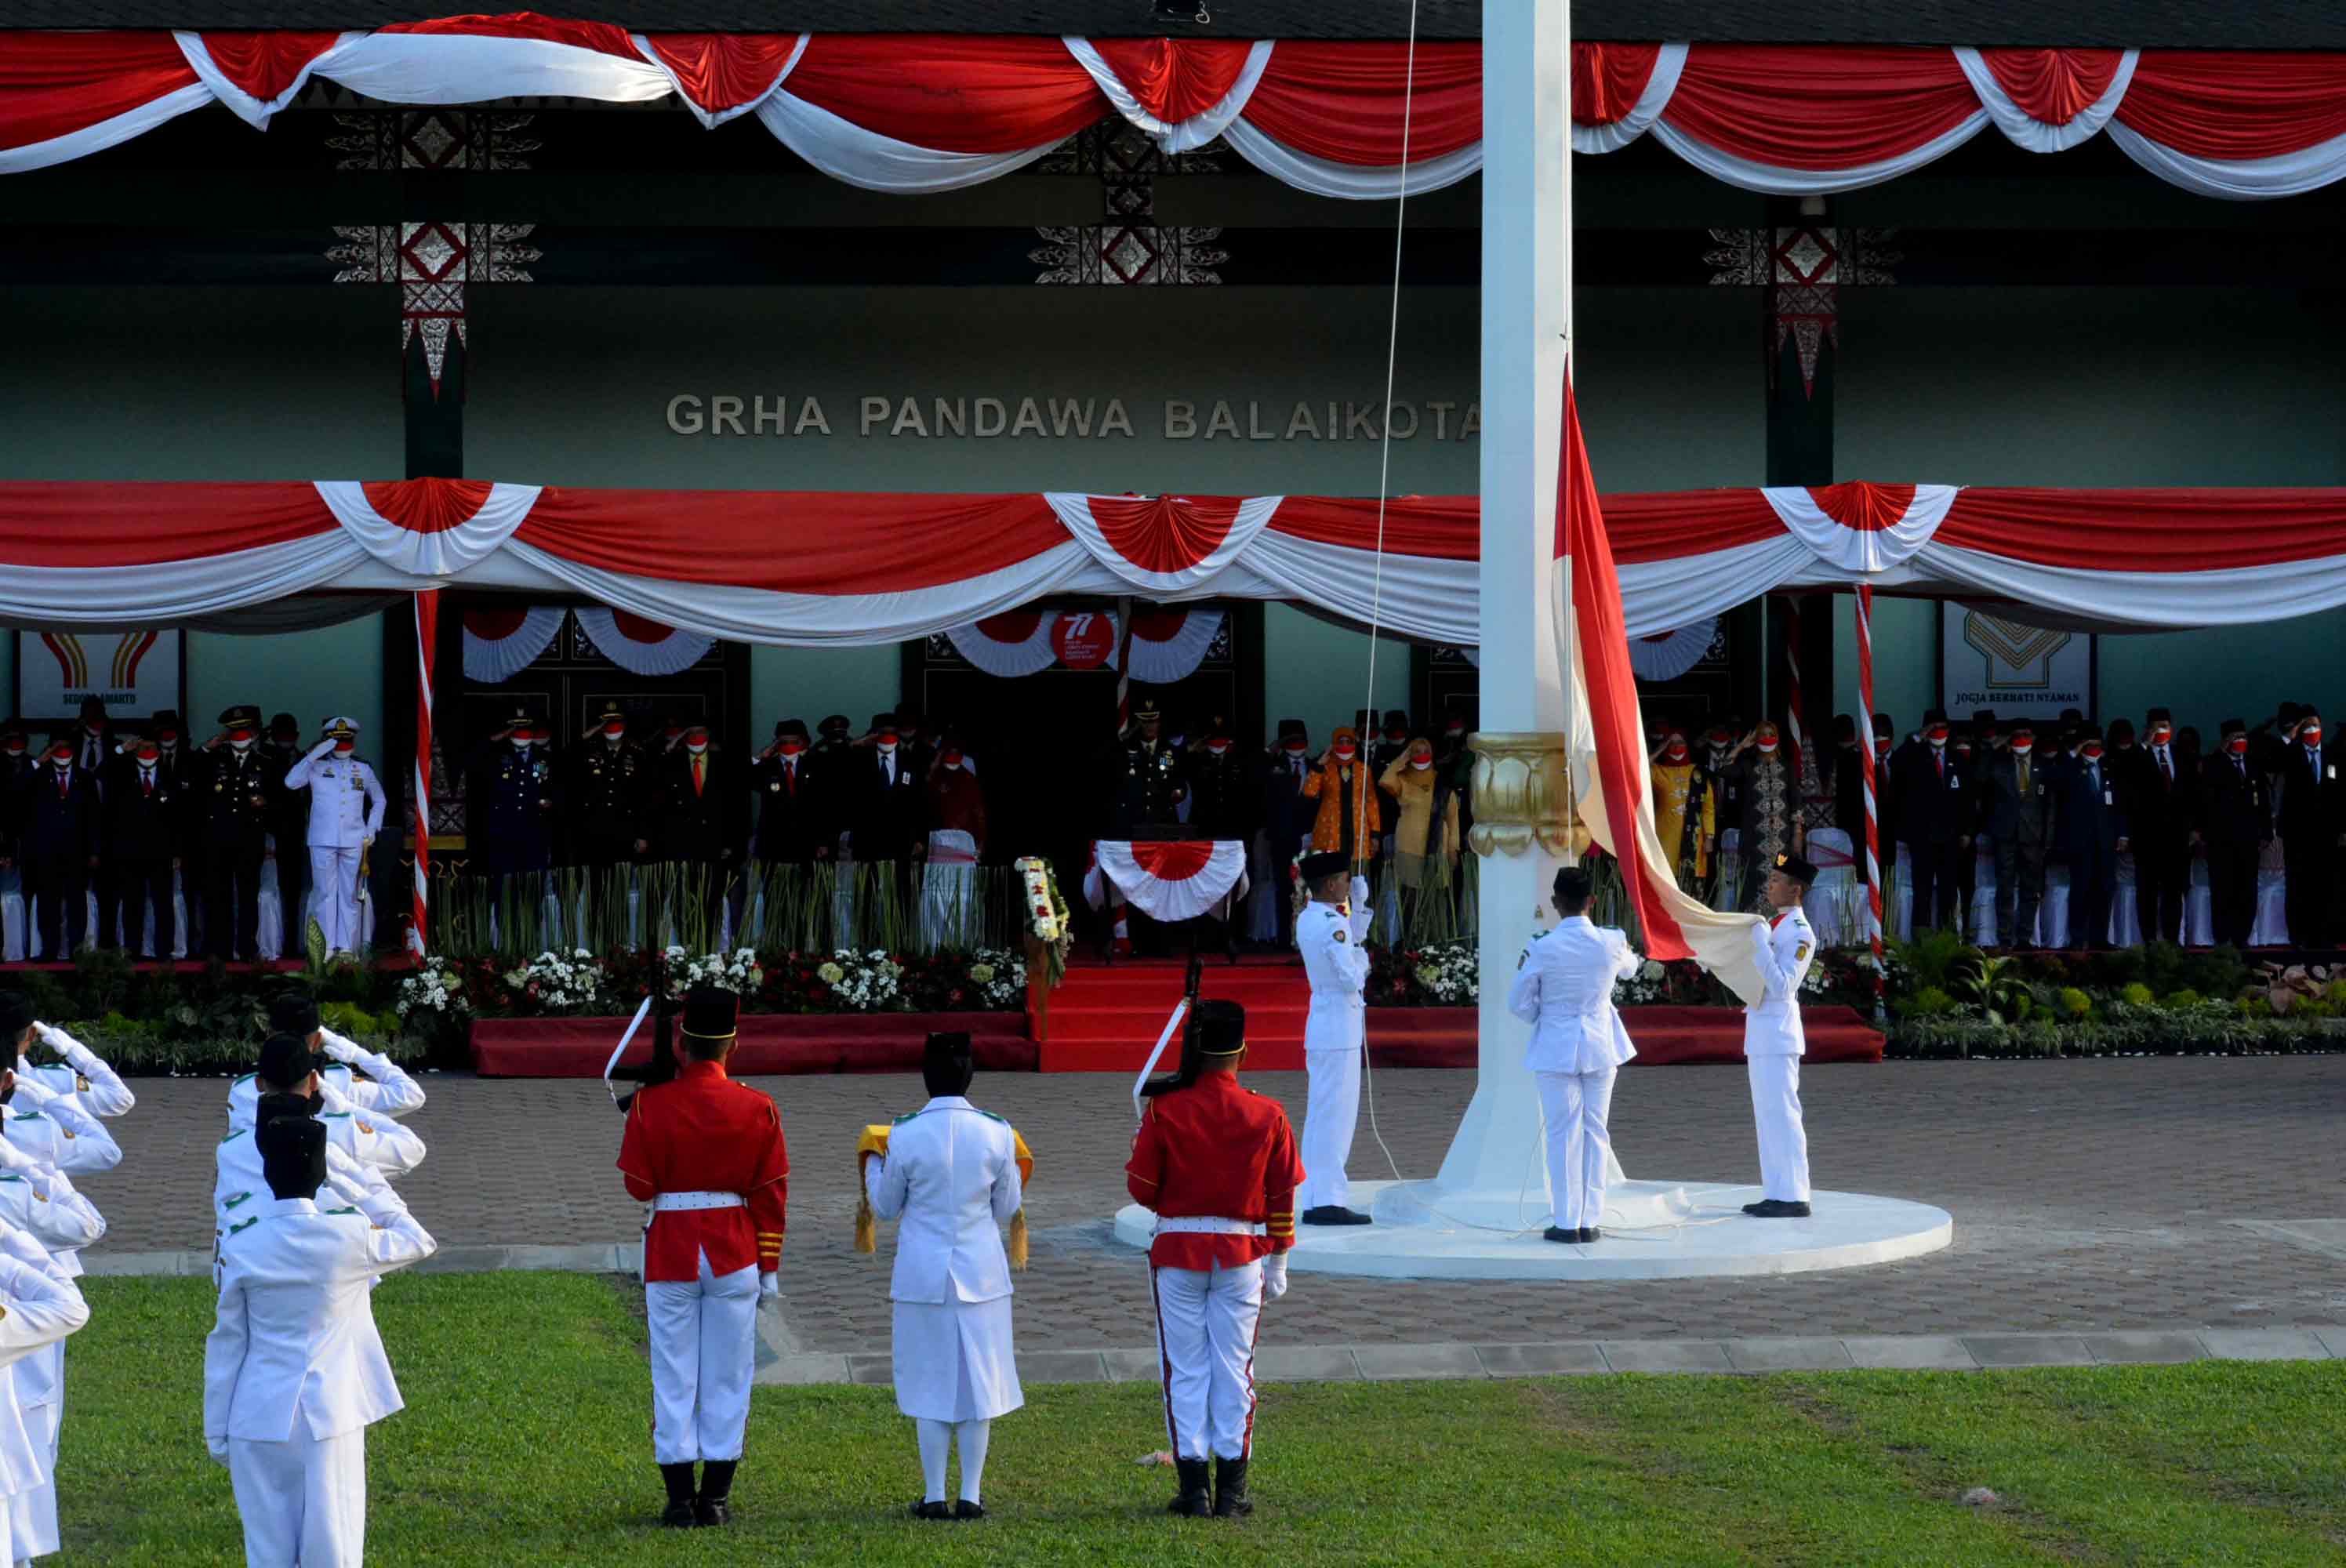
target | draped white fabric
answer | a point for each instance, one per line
(2026, 131)
(1861, 550)
(2237, 179)
(1669, 654)
(1223, 876)
(1775, 179)
(846, 151)
(106, 133)
(1161, 661)
(1029, 655)
(471, 68)
(497, 659)
(1349, 181)
(428, 554)
(678, 650)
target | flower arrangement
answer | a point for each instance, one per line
(737, 972)
(1048, 919)
(867, 982)
(999, 976)
(435, 991)
(1647, 985)
(1436, 974)
(556, 985)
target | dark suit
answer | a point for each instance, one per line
(2015, 812)
(608, 795)
(2311, 815)
(2088, 820)
(709, 823)
(2162, 808)
(143, 816)
(1935, 812)
(1225, 793)
(794, 816)
(886, 804)
(234, 801)
(514, 805)
(61, 838)
(2236, 818)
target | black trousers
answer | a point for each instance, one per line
(2312, 891)
(105, 880)
(2093, 881)
(142, 882)
(2232, 889)
(1933, 870)
(59, 884)
(232, 904)
(2019, 891)
(2162, 881)
(293, 879)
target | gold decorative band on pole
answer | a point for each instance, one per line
(1523, 796)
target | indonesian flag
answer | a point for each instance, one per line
(1604, 744)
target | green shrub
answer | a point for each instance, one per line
(2137, 994)
(1932, 959)
(2256, 1006)
(2073, 1003)
(1930, 1002)
(2186, 997)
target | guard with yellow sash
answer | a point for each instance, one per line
(954, 1174)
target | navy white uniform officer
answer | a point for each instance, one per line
(1564, 990)
(1773, 1042)
(346, 807)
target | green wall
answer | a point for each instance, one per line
(334, 670)
(809, 684)
(1318, 672)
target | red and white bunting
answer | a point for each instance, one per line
(1665, 656)
(1167, 644)
(501, 644)
(1168, 880)
(640, 646)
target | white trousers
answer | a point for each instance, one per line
(1206, 1324)
(1329, 1116)
(1783, 1142)
(704, 1335)
(1573, 1108)
(32, 1513)
(303, 1501)
(333, 901)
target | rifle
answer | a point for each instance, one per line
(662, 1067)
(1185, 1019)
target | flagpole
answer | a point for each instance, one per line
(1873, 827)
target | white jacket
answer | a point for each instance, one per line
(57, 1131)
(371, 1137)
(1338, 967)
(241, 1188)
(294, 1347)
(1564, 990)
(387, 1090)
(43, 1305)
(1783, 952)
(345, 802)
(952, 1177)
(83, 1073)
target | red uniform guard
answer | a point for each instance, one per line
(707, 1153)
(1219, 1165)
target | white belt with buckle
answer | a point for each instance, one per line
(672, 1202)
(1210, 1225)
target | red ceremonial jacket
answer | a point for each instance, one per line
(702, 1131)
(1216, 1149)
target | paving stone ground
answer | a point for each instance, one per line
(2090, 1197)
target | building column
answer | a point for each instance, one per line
(1808, 263)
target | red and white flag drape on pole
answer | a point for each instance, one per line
(1604, 744)
(427, 633)
(1167, 880)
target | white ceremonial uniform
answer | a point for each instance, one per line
(40, 1201)
(294, 1373)
(1564, 990)
(240, 1187)
(372, 1137)
(1333, 1032)
(83, 1073)
(346, 808)
(952, 1177)
(387, 1090)
(42, 1306)
(1773, 1043)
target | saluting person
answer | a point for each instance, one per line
(1773, 1042)
(346, 807)
(385, 1091)
(40, 1305)
(1329, 932)
(608, 794)
(707, 1153)
(1218, 1165)
(951, 1175)
(2236, 818)
(1564, 990)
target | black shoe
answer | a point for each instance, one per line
(932, 1510)
(1558, 1233)
(714, 1506)
(1777, 1208)
(1334, 1214)
(679, 1514)
(1588, 1234)
(1230, 1499)
(1758, 1208)
(965, 1509)
(1195, 1500)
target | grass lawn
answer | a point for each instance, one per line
(525, 1442)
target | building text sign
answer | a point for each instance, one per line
(879, 417)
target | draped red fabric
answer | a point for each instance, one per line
(1170, 534)
(496, 625)
(951, 93)
(1343, 101)
(2210, 104)
(1011, 626)
(1442, 527)
(604, 38)
(1669, 524)
(52, 84)
(265, 64)
(1175, 79)
(720, 71)
(2053, 86)
(801, 542)
(1799, 106)
(2148, 530)
(1158, 623)
(640, 628)
(1607, 79)
(1864, 506)
(48, 524)
(1172, 859)
(428, 506)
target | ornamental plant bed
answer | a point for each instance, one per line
(768, 1043)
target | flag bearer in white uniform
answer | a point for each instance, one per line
(82, 1074)
(950, 1173)
(39, 1200)
(1783, 947)
(386, 1090)
(294, 1370)
(1329, 933)
(1564, 990)
(359, 1114)
(345, 813)
(40, 1305)
(1217, 1164)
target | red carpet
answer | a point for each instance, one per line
(769, 1042)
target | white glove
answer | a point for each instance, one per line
(769, 1287)
(1274, 1277)
(218, 1447)
(33, 1092)
(335, 1046)
(382, 1207)
(20, 1244)
(63, 1044)
(13, 1159)
(348, 1178)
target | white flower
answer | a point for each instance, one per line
(1651, 970)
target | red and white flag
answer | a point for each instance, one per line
(1604, 743)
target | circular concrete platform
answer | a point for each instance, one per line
(1655, 1230)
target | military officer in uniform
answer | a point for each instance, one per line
(1329, 933)
(1783, 945)
(345, 813)
(950, 1175)
(1225, 786)
(608, 794)
(1149, 780)
(234, 807)
(294, 1370)
(1218, 1165)
(2236, 819)
(708, 1154)
(1564, 990)
(516, 802)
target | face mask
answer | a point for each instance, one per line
(1216, 747)
(16, 748)
(167, 738)
(2238, 746)
(1295, 749)
(1767, 748)
(887, 749)
(1456, 731)
(1343, 753)
(951, 758)
(1676, 751)
(2311, 735)
(1717, 742)
(240, 737)
(615, 731)
(792, 747)
(2023, 748)
(93, 726)
(1396, 735)
(62, 755)
(148, 753)
(1421, 763)
(696, 747)
(671, 732)
(1935, 736)
(2162, 735)
(344, 748)
(521, 743)
(2091, 753)
(1880, 748)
